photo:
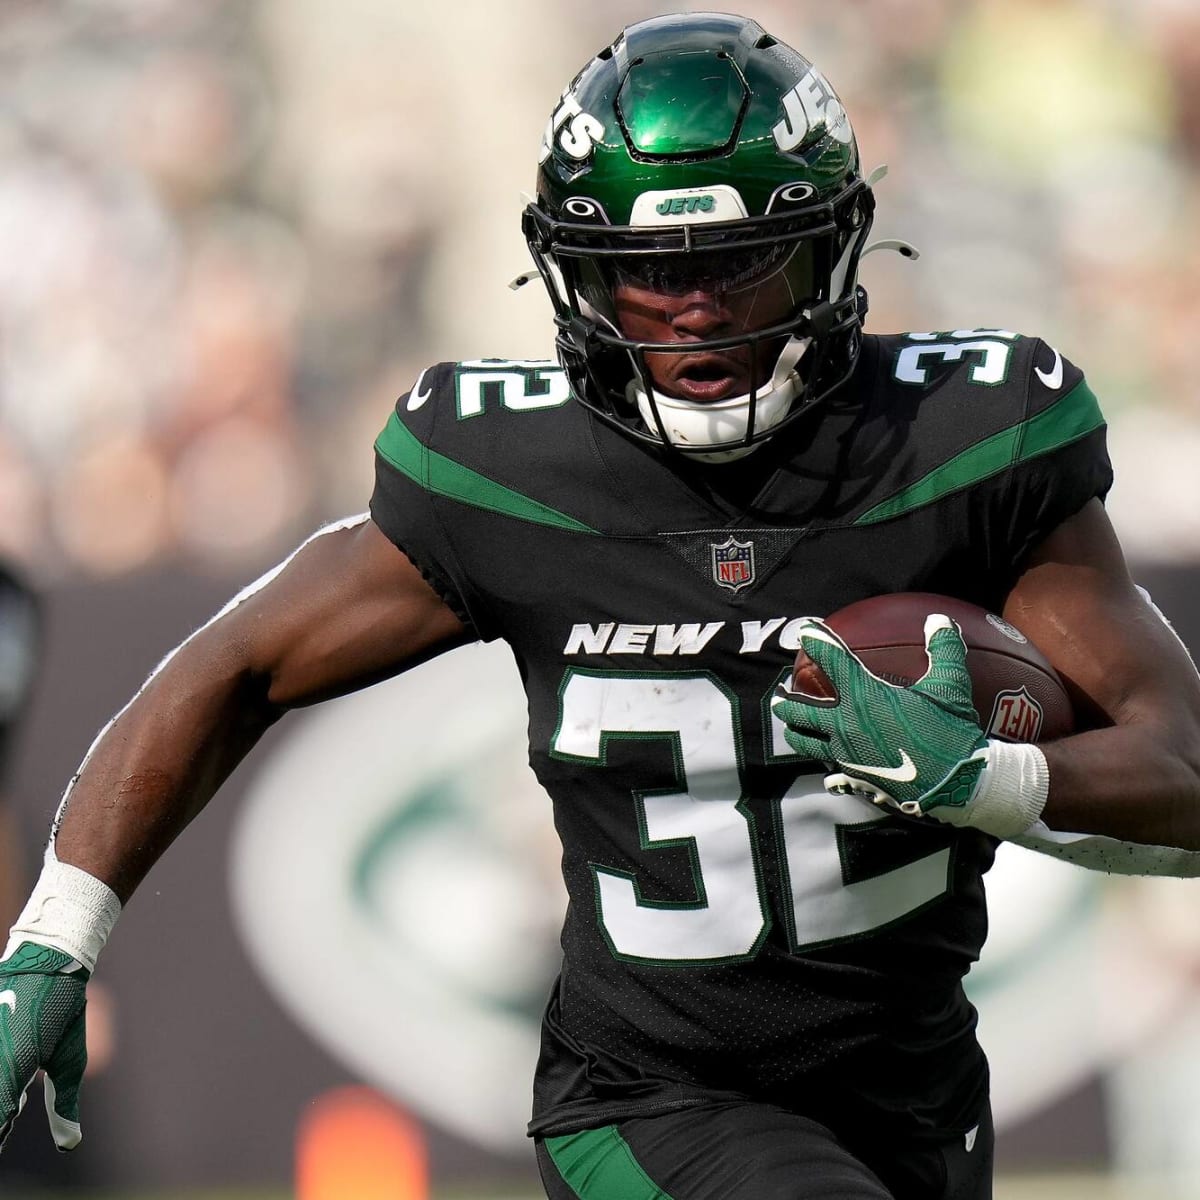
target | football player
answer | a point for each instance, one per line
(760, 994)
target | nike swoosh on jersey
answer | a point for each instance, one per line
(969, 1140)
(416, 398)
(9, 998)
(1052, 378)
(906, 772)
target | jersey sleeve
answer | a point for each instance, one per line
(404, 503)
(1059, 455)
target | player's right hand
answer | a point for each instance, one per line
(919, 749)
(42, 1027)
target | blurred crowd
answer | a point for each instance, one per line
(232, 232)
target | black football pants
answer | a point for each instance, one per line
(756, 1152)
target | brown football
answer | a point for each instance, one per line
(1018, 695)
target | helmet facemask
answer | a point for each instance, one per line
(785, 284)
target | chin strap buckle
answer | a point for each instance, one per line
(581, 333)
(821, 318)
(862, 304)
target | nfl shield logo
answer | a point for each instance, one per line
(1016, 717)
(733, 564)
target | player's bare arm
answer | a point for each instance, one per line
(348, 609)
(1131, 778)
(1137, 778)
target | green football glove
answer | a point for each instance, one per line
(919, 749)
(41, 1026)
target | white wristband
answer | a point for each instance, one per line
(1011, 792)
(69, 910)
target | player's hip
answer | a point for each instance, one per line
(917, 1077)
(750, 1151)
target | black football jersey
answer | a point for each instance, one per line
(732, 928)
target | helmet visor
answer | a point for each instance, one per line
(727, 270)
(764, 281)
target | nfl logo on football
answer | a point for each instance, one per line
(1016, 717)
(733, 564)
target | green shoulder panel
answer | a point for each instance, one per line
(406, 450)
(1073, 416)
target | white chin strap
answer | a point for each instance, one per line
(693, 423)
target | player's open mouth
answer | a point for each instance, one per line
(708, 377)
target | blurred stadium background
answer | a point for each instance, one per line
(231, 232)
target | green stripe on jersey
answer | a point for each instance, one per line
(1071, 417)
(598, 1164)
(444, 477)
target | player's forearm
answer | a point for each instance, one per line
(1128, 782)
(158, 764)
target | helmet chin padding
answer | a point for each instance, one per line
(691, 425)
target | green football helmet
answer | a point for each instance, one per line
(698, 152)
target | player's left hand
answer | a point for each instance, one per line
(42, 1006)
(919, 749)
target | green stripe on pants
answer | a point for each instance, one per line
(598, 1164)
